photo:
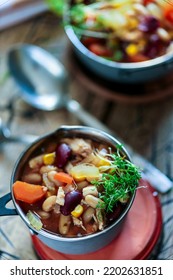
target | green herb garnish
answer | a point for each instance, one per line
(119, 182)
(57, 6)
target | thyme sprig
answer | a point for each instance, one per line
(119, 182)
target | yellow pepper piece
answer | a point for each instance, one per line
(132, 49)
(77, 211)
(49, 159)
(82, 171)
(102, 161)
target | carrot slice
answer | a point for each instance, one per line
(28, 193)
(63, 177)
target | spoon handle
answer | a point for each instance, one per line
(154, 176)
(25, 139)
(76, 109)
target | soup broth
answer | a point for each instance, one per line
(124, 30)
(75, 187)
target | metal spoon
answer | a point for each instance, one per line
(43, 81)
(5, 136)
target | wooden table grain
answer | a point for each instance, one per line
(147, 127)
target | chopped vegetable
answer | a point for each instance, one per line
(100, 50)
(60, 196)
(28, 193)
(79, 146)
(77, 222)
(34, 220)
(169, 14)
(82, 171)
(63, 177)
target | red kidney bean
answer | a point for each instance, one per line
(63, 153)
(72, 199)
(149, 24)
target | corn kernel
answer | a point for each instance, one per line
(77, 211)
(49, 159)
(133, 23)
(131, 49)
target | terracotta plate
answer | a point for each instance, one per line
(139, 237)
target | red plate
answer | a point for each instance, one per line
(138, 238)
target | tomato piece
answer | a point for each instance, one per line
(138, 58)
(89, 40)
(100, 50)
(146, 2)
(168, 14)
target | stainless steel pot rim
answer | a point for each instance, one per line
(164, 59)
(75, 129)
(79, 238)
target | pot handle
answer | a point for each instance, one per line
(4, 211)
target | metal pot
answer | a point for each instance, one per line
(76, 245)
(132, 73)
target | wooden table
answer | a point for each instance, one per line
(146, 125)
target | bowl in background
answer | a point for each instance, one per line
(121, 72)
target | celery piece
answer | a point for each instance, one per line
(34, 220)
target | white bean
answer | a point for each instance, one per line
(43, 214)
(140, 9)
(163, 34)
(132, 35)
(155, 11)
(64, 224)
(47, 168)
(92, 200)
(36, 162)
(90, 190)
(88, 214)
(82, 184)
(49, 203)
(32, 178)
